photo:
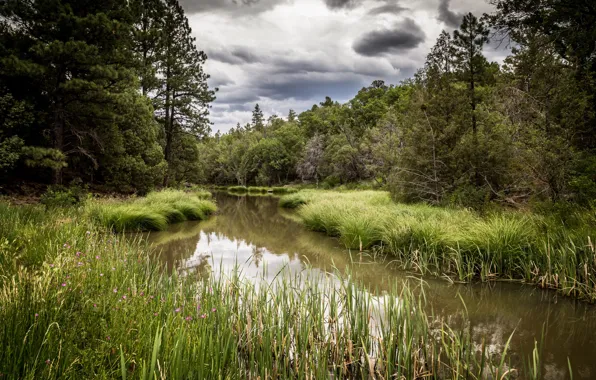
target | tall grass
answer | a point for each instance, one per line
(458, 243)
(154, 212)
(259, 189)
(97, 306)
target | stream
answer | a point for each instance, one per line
(254, 234)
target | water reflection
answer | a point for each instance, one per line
(253, 233)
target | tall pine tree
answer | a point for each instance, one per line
(182, 95)
(70, 61)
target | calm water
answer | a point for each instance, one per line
(254, 234)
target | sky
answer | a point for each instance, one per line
(291, 54)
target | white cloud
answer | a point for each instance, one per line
(292, 53)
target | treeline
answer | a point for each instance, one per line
(106, 92)
(463, 130)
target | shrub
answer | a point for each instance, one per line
(61, 196)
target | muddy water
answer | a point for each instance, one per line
(258, 237)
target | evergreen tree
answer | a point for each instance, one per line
(69, 60)
(183, 95)
(292, 117)
(258, 120)
(469, 41)
(147, 32)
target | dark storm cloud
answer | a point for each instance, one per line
(338, 4)
(235, 55)
(237, 95)
(310, 87)
(243, 6)
(406, 35)
(447, 16)
(390, 8)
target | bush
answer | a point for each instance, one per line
(61, 196)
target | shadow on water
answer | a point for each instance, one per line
(253, 233)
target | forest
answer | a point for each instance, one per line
(114, 96)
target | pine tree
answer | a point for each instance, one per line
(469, 41)
(69, 60)
(258, 120)
(292, 117)
(147, 26)
(183, 95)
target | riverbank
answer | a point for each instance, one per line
(79, 301)
(456, 243)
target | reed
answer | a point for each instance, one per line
(152, 213)
(458, 243)
(98, 306)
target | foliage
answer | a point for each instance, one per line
(76, 79)
(62, 196)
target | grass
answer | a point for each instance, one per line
(458, 243)
(97, 306)
(258, 189)
(154, 212)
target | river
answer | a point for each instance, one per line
(251, 233)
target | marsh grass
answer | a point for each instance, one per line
(97, 306)
(459, 243)
(154, 212)
(260, 190)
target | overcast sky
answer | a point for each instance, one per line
(287, 54)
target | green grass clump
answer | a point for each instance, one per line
(258, 189)
(458, 243)
(99, 306)
(154, 212)
(238, 189)
(284, 190)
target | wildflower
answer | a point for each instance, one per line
(151, 297)
(48, 361)
(78, 254)
(155, 314)
(88, 233)
(177, 310)
(97, 257)
(115, 290)
(80, 264)
(213, 310)
(108, 337)
(113, 268)
(63, 284)
(188, 319)
(101, 275)
(142, 294)
(198, 307)
(51, 265)
(65, 245)
(36, 315)
(203, 316)
(94, 305)
(124, 297)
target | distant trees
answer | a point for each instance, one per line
(462, 131)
